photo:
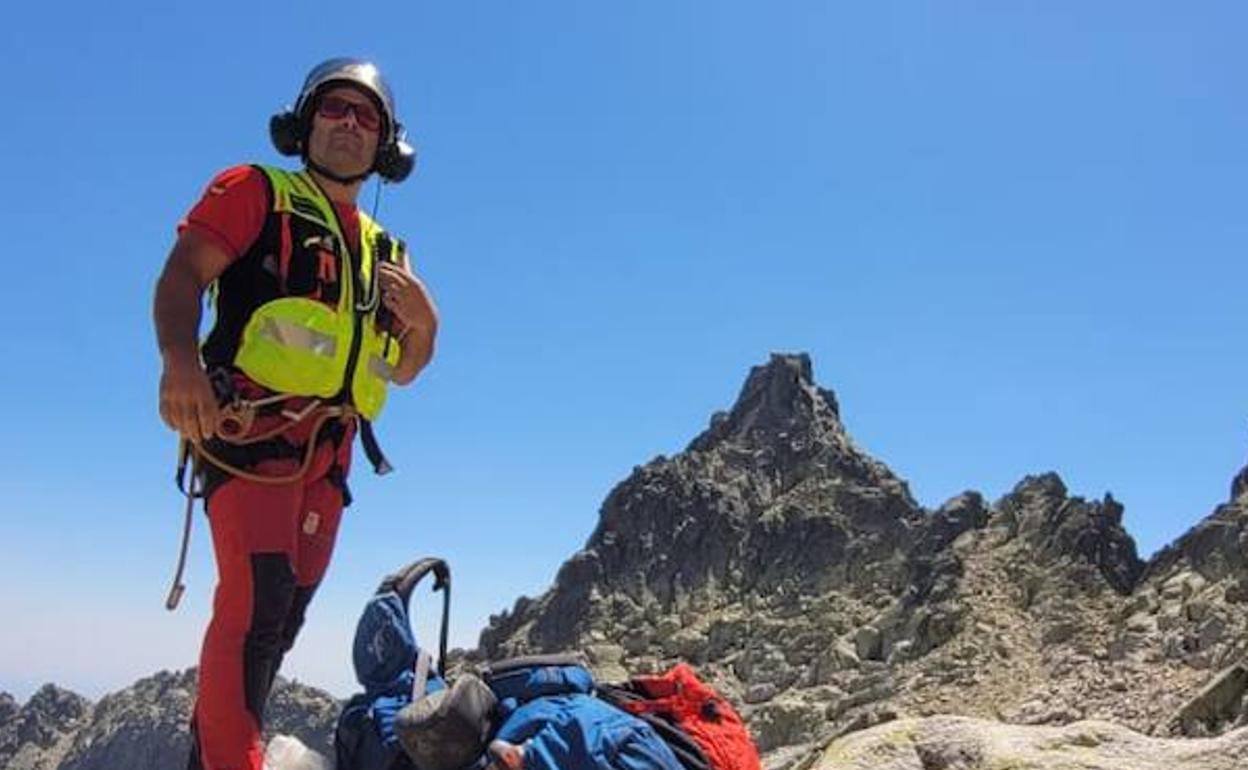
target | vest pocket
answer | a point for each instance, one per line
(301, 278)
(295, 345)
(312, 268)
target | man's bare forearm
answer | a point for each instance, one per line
(177, 311)
(417, 345)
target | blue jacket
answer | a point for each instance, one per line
(552, 710)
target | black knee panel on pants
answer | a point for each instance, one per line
(294, 621)
(294, 618)
(273, 594)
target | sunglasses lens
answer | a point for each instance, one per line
(333, 108)
(367, 116)
(336, 108)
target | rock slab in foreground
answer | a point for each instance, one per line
(960, 743)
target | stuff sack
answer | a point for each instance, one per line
(686, 710)
(392, 668)
(448, 729)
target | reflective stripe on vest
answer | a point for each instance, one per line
(380, 368)
(291, 334)
(304, 347)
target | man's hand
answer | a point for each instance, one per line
(187, 401)
(407, 298)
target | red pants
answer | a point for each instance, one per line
(273, 544)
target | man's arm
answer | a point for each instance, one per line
(187, 402)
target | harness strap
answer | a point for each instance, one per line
(226, 460)
(273, 447)
(252, 454)
(372, 450)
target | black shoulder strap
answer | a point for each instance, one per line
(532, 661)
(404, 582)
(686, 749)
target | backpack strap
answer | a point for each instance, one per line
(532, 661)
(404, 582)
(422, 674)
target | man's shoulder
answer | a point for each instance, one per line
(232, 208)
(242, 175)
(238, 185)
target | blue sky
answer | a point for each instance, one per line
(1010, 235)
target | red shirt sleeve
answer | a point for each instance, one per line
(232, 210)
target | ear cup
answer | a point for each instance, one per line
(396, 161)
(286, 133)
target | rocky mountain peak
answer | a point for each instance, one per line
(772, 503)
(784, 430)
(1216, 548)
(45, 721)
(8, 707)
(1239, 487)
(778, 399)
(1063, 529)
(1040, 488)
(57, 704)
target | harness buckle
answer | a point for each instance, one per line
(235, 420)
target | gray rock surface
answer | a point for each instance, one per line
(961, 743)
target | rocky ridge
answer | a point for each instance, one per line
(143, 726)
(41, 728)
(800, 575)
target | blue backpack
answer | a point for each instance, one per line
(547, 705)
(392, 668)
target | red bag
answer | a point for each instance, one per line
(699, 712)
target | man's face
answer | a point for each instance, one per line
(339, 139)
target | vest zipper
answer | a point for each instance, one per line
(357, 317)
(353, 359)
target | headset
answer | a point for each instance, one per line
(289, 128)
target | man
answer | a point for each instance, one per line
(317, 310)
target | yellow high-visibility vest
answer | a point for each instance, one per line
(303, 346)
